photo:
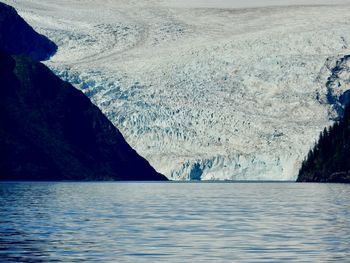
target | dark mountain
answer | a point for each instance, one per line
(48, 129)
(51, 131)
(329, 160)
(19, 38)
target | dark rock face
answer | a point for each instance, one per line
(51, 131)
(19, 38)
(329, 160)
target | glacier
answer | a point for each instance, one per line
(206, 90)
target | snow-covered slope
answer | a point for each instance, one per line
(205, 92)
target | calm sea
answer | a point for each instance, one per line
(174, 222)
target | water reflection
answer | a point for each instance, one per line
(175, 222)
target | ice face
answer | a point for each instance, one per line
(205, 93)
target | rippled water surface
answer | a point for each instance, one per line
(174, 222)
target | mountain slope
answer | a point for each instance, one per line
(51, 131)
(17, 37)
(329, 160)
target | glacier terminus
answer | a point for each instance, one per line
(206, 90)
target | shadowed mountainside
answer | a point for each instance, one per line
(329, 160)
(19, 38)
(51, 131)
(48, 129)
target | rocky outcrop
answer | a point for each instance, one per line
(338, 93)
(51, 131)
(18, 38)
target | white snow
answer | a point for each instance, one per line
(205, 89)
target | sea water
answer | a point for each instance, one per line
(174, 222)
